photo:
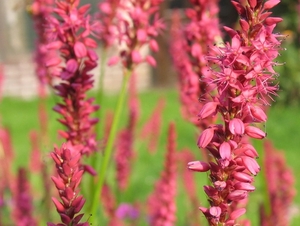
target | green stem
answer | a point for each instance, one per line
(99, 97)
(109, 147)
(99, 94)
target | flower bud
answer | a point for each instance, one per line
(270, 4)
(208, 109)
(243, 177)
(150, 60)
(80, 50)
(237, 195)
(237, 213)
(236, 126)
(205, 137)
(255, 132)
(225, 150)
(244, 186)
(215, 211)
(136, 57)
(258, 114)
(113, 60)
(251, 164)
(198, 166)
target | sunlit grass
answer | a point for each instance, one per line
(282, 127)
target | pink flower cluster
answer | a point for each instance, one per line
(280, 186)
(41, 11)
(108, 12)
(241, 82)
(67, 160)
(188, 50)
(137, 29)
(162, 205)
(23, 203)
(151, 129)
(125, 143)
(68, 33)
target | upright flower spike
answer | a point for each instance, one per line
(280, 183)
(23, 207)
(68, 32)
(69, 176)
(241, 81)
(162, 205)
(138, 28)
(189, 46)
(41, 11)
(108, 12)
(125, 142)
(152, 127)
(135, 30)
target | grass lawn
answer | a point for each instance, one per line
(282, 127)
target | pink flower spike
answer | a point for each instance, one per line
(208, 109)
(80, 50)
(251, 164)
(225, 150)
(198, 166)
(136, 57)
(270, 4)
(237, 213)
(205, 137)
(255, 132)
(236, 127)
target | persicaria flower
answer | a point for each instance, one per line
(136, 29)
(240, 84)
(69, 176)
(189, 45)
(162, 205)
(68, 33)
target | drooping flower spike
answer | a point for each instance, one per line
(241, 82)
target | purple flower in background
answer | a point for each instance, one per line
(127, 211)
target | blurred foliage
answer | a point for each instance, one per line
(289, 79)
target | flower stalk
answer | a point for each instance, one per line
(134, 31)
